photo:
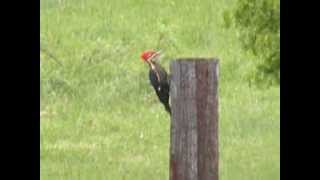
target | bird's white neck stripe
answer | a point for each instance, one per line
(155, 70)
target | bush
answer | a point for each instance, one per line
(258, 22)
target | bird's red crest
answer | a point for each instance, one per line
(145, 55)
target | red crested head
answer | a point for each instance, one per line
(148, 55)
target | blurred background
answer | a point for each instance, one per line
(100, 118)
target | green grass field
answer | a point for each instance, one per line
(100, 118)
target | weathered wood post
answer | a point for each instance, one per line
(194, 120)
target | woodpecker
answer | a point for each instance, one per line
(158, 77)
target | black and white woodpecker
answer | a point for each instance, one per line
(159, 78)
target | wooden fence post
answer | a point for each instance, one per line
(194, 120)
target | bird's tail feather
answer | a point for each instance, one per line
(167, 107)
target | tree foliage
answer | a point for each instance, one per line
(258, 22)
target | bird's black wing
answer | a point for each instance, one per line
(161, 86)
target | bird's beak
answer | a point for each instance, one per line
(155, 56)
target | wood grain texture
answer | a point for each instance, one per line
(194, 120)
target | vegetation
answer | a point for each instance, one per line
(258, 22)
(100, 118)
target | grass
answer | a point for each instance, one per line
(100, 119)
